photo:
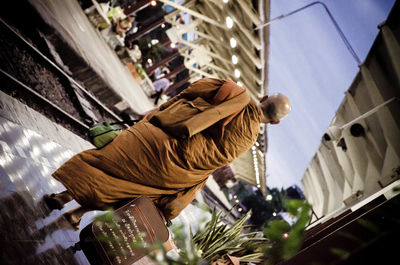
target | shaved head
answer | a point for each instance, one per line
(275, 107)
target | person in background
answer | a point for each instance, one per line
(159, 73)
(123, 25)
(168, 155)
(160, 87)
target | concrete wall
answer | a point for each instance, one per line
(360, 152)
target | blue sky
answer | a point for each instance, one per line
(311, 65)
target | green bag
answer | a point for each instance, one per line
(102, 134)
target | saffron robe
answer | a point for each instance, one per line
(145, 160)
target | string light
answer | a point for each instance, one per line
(234, 59)
(233, 42)
(229, 22)
(237, 73)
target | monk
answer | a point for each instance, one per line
(170, 153)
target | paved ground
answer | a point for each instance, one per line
(31, 148)
(68, 18)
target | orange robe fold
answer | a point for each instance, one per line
(145, 160)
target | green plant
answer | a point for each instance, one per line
(286, 239)
(188, 252)
(152, 51)
(141, 72)
(218, 239)
(189, 255)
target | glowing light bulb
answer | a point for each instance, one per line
(234, 59)
(237, 73)
(229, 22)
(233, 42)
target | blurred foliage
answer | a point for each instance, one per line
(155, 52)
(191, 255)
(141, 72)
(216, 239)
(286, 239)
(264, 210)
(340, 252)
(108, 218)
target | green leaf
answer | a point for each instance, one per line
(369, 225)
(340, 252)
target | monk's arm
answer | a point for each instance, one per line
(172, 205)
(204, 88)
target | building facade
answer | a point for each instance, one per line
(359, 154)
